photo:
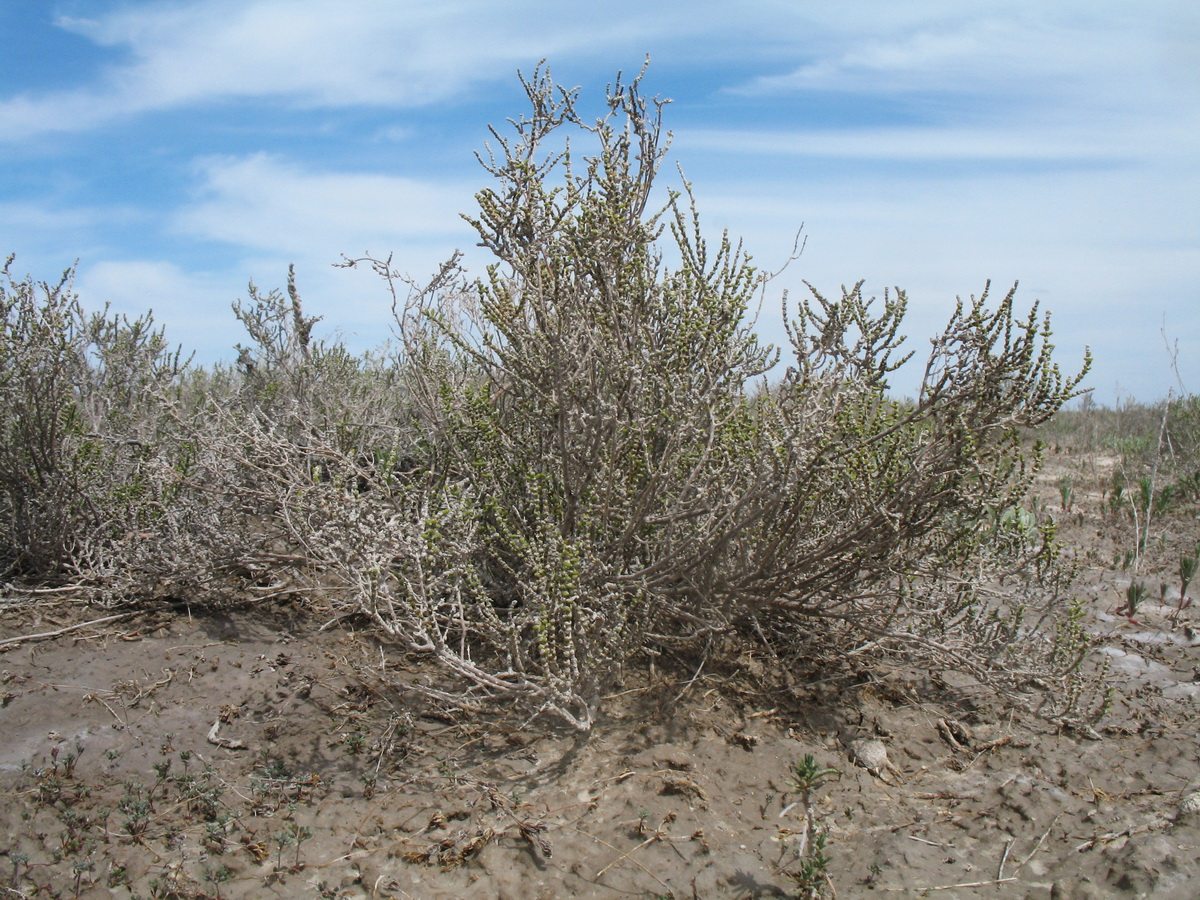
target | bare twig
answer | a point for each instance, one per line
(60, 631)
(96, 698)
(1000, 879)
(948, 887)
(626, 855)
(1037, 846)
(646, 843)
(913, 837)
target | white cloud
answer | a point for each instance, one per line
(1091, 106)
(1006, 60)
(193, 306)
(272, 212)
(26, 217)
(1112, 254)
(407, 53)
(911, 144)
(265, 203)
(48, 237)
(311, 53)
(133, 287)
(942, 57)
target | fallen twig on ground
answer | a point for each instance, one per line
(96, 698)
(61, 631)
(988, 883)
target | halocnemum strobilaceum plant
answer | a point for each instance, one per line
(606, 469)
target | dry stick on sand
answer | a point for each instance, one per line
(96, 698)
(624, 856)
(999, 880)
(621, 858)
(1111, 836)
(59, 631)
(951, 887)
(1037, 846)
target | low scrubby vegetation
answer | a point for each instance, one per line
(582, 456)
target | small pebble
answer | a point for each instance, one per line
(1190, 805)
(870, 754)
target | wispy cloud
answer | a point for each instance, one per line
(266, 203)
(270, 212)
(24, 217)
(307, 53)
(931, 145)
(194, 306)
(911, 144)
(391, 53)
(1003, 61)
(942, 57)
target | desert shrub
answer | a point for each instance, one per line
(1155, 448)
(613, 472)
(309, 386)
(289, 465)
(1182, 444)
(80, 413)
(1138, 433)
(581, 456)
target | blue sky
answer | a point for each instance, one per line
(179, 149)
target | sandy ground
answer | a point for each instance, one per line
(246, 753)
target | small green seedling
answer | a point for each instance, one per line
(1066, 493)
(1134, 595)
(301, 834)
(217, 875)
(1187, 571)
(810, 874)
(808, 774)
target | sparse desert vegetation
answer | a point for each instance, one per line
(578, 572)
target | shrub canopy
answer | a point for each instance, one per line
(569, 461)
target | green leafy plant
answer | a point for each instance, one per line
(216, 876)
(1188, 486)
(1188, 564)
(810, 871)
(807, 775)
(1115, 498)
(78, 869)
(136, 809)
(810, 874)
(300, 834)
(284, 839)
(1134, 595)
(19, 861)
(1066, 493)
